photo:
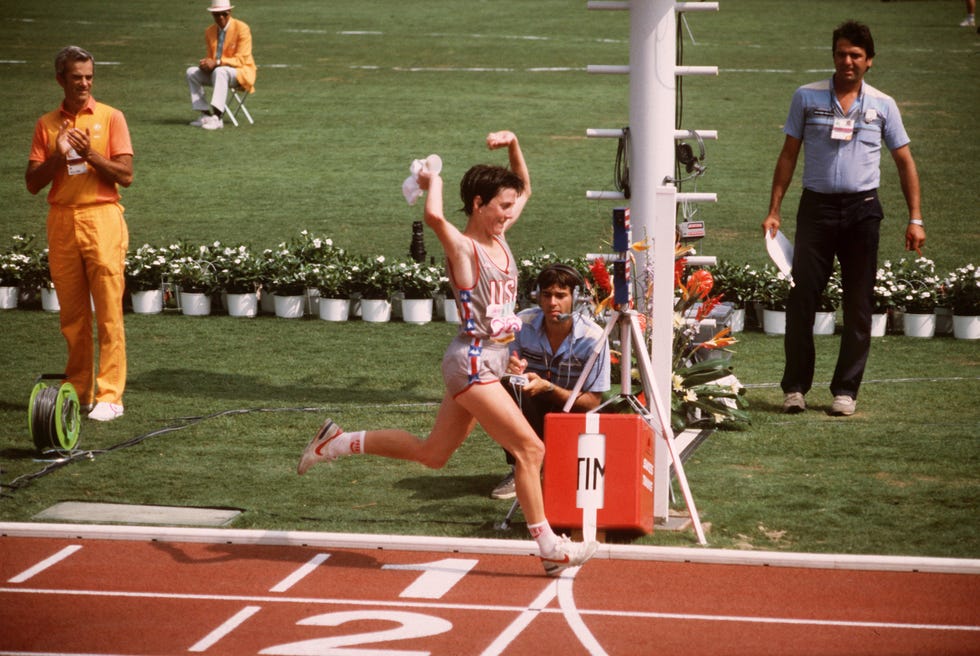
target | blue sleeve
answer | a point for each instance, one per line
(796, 119)
(894, 131)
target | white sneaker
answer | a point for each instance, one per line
(317, 450)
(567, 554)
(198, 122)
(212, 123)
(969, 21)
(843, 406)
(104, 411)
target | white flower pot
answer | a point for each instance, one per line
(334, 309)
(290, 307)
(8, 297)
(194, 304)
(49, 300)
(823, 323)
(879, 324)
(738, 320)
(242, 305)
(919, 325)
(965, 327)
(149, 301)
(450, 311)
(417, 310)
(375, 310)
(774, 322)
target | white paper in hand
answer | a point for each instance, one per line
(781, 251)
(410, 187)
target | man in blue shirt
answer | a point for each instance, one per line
(841, 123)
(550, 351)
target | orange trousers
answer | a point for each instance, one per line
(87, 257)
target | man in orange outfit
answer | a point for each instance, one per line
(84, 151)
(227, 64)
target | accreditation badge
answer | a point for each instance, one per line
(843, 129)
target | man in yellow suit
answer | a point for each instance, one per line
(83, 150)
(227, 64)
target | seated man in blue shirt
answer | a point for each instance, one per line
(551, 350)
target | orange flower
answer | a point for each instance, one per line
(722, 339)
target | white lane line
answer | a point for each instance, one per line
(484, 608)
(300, 574)
(44, 564)
(535, 608)
(230, 625)
(566, 601)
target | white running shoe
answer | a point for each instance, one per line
(104, 411)
(969, 21)
(212, 123)
(198, 122)
(567, 554)
(318, 448)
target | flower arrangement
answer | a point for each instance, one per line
(37, 272)
(333, 279)
(146, 268)
(416, 279)
(282, 271)
(701, 386)
(961, 291)
(191, 269)
(373, 278)
(237, 269)
(528, 269)
(773, 291)
(15, 262)
(917, 286)
(885, 289)
(310, 249)
(736, 284)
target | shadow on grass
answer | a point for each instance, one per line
(435, 487)
(215, 385)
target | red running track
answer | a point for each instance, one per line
(119, 590)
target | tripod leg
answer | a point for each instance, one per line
(505, 525)
(663, 415)
(590, 363)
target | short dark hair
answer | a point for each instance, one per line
(857, 33)
(70, 54)
(486, 181)
(561, 275)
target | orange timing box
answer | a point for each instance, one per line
(625, 477)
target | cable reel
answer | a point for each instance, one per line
(54, 414)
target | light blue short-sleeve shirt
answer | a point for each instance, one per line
(833, 166)
(564, 367)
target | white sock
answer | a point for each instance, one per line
(347, 444)
(544, 536)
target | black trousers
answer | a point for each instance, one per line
(845, 226)
(534, 410)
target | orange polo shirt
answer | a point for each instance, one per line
(109, 137)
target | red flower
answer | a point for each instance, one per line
(699, 283)
(601, 276)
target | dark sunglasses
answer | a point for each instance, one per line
(221, 13)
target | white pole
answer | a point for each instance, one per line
(653, 29)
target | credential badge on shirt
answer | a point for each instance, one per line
(843, 129)
(870, 115)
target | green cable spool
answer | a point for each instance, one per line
(54, 416)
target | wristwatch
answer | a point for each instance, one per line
(917, 222)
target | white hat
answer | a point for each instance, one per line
(220, 5)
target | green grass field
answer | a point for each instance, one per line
(347, 95)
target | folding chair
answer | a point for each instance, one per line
(236, 105)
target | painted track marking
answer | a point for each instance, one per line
(45, 564)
